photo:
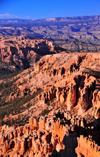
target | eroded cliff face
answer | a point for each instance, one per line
(63, 96)
(58, 134)
(21, 52)
(70, 84)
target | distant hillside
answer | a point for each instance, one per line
(83, 32)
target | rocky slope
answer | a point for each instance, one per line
(61, 98)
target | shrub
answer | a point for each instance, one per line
(44, 112)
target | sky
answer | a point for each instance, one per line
(41, 9)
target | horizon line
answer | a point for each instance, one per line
(47, 18)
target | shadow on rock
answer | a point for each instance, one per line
(70, 143)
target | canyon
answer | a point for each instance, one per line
(52, 108)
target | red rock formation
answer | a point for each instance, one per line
(87, 147)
